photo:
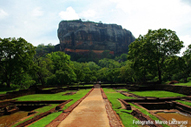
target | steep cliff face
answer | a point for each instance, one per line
(79, 36)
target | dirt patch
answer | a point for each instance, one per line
(24, 118)
(70, 93)
(170, 116)
(173, 82)
(122, 105)
(7, 120)
(130, 94)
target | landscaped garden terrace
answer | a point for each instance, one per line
(112, 94)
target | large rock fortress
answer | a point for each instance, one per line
(77, 36)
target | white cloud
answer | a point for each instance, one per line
(141, 15)
(69, 14)
(37, 12)
(31, 23)
(88, 14)
(187, 41)
(37, 20)
(3, 14)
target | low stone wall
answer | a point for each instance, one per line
(182, 107)
(10, 95)
(142, 117)
(177, 89)
(173, 88)
(103, 94)
(127, 106)
(14, 94)
(36, 118)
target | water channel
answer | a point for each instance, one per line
(7, 120)
(176, 116)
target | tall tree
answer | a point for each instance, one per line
(62, 68)
(108, 63)
(59, 59)
(42, 69)
(186, 63)
(42, 50)
(127, 73)
(150, 51)
(15, 58)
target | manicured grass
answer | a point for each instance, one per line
(119, 84)
(44, 97)
(183, 84)
(112, 95)
(76, 97)
(157, 94)
(49, 88)
(79, 85)
(5, 90)
(45, 108)
(125, 115)
(126, 90)
(58, 96)
(46, 120)
(184, 102)
(87, 85)
(105, 84)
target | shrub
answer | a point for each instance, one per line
(189, 78)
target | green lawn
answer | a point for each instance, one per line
(112, 95)
(44, 97)
(46, 120)
(87, 85)
(105, 84)
(157, 94)
(49, 88)
(183, 84)
(184, 102)
(125, 90)
(125, 115)
(58, 96)
(5, 90)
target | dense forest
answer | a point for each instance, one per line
(151, 58)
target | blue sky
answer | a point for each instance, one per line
(37, 20)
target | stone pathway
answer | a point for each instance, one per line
(91, 112)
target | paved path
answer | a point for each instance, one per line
(90, 112)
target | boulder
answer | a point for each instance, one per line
(82, 37)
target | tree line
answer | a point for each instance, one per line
(151, 58)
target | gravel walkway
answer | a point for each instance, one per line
(91, 112)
